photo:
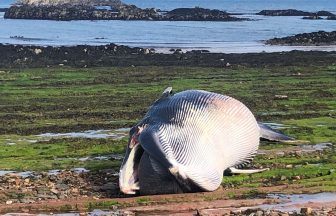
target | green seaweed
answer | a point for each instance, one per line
(35, 101)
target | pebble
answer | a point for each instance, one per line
(306, 211)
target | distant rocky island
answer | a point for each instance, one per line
(107, 10)
(306, 39)
(294, 12)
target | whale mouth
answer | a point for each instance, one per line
(129, 171)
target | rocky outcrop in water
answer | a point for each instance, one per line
(198, 14)
(315, 17)
(79, 12)
(293, 12)
(306, 39)
(331, 17)
(108, 10)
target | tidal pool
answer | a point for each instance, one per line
(294, 202)
(90, 134)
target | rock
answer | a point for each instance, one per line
(77, 11)
(259, 213)
(283, 178)
(297, 177)
(306, 211)
(9, 202)
(333, 17)
(289, 166)
(109, 186)
(324, 13)
(314, 17)
(37, 51)
(198, 14)
(331, 171)
(92, 10)
(55, 191)
(280, 96)
(293, 12)
(306, 39)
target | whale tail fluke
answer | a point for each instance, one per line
(268, 133)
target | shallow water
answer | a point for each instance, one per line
(20, 174)
(277, 126)
(317, 147)
(33, 174)
(90, 134)
(290, 202)
(228, 37)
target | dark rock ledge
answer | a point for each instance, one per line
(306, 39)
(112, 55)
(293, 12)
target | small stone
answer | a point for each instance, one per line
(331, 171)
(259, 213)
(146, 51)
(9, 202)
(283, 178)
(280, 96)
(55, 191)
(297, 177)
(306, 211)
(37, 51)
(289, 166)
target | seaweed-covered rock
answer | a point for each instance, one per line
(107, 10)
(79, 12)
(331, 17)
(293, 12)
(315, 17)
(324, 13)
(306, 39)
(198, 14)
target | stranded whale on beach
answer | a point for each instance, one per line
(187, 140)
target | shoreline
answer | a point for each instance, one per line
(18, 56)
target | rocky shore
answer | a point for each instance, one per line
(110, 10)
(293, 12)
(72, 192)
(306, 39)
(40, 186)
(22, 56)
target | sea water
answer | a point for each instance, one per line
(229, 37)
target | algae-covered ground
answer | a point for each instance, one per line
(40, 107)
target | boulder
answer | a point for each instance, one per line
(198, 14)
(306, 39)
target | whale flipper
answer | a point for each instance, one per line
(268, 133)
